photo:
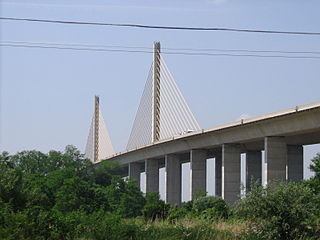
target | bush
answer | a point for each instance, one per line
(187, 205)
(155, 208)
(177, 213)
(155, 211)
(282, 211)
(178, 231)
(106, 226)
(211, 207)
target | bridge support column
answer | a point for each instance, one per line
(295, 163)
(275, 150)
(134, 172)
(198, 166)
(253, 168)
(218, 174)
(173, 179)
(152, 175)
(231, 177)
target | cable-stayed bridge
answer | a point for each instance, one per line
(166, 134)
(99, 145)
(163, 111)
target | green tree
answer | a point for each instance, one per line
(155, 208)
(211, 207)
(11, 183)
(125, 197)
(282, 211)
(314, 182)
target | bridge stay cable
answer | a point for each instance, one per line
(181, 106)
(163, 112)
(99, 145)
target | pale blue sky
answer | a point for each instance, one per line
(47, 95)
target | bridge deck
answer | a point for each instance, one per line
(300, 125)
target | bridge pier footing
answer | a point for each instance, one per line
(231, 172)
(198, 166)
(173, 179)
(295, 162)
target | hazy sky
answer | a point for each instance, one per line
(47, 95)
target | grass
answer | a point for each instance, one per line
(184, 229)
(189, 228)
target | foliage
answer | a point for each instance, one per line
(187, 205)
(52, 196)
(176, 213)
(62, 195)
(314, 182)
(315, 166)
(212, 207)
(155, 208)
(198, 194)
(125, 198)
(282, 211)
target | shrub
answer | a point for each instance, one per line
(282, 211)
(177, 213)
(187, 205)
(155, 208)
(105, 226)
(180, 231)
(155, 211)
(211, 206)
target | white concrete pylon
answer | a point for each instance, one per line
(99, 145)
(175, 115)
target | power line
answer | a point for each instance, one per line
(150, 48)
(74, 48)
(243, 50)
(164, 52)
(77, 45)
(160, 27)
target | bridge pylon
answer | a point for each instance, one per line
(163, 112)
(99, 145)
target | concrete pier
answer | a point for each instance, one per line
(231, 177)
(198, 166)
(295, 163)
(253, 168)
(152, 175)
(218, 174)
(280, 135)
(275, 150)
(134, 171)
(173, 179)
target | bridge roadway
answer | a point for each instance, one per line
(281, 135)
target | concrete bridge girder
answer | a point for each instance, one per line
(281, 137)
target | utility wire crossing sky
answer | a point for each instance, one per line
(60, 46)
(160, 27)
(231, 60)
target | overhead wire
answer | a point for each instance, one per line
(177, 52)
(163, 48)
(161, 27)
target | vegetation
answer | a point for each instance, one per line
(61, 195)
